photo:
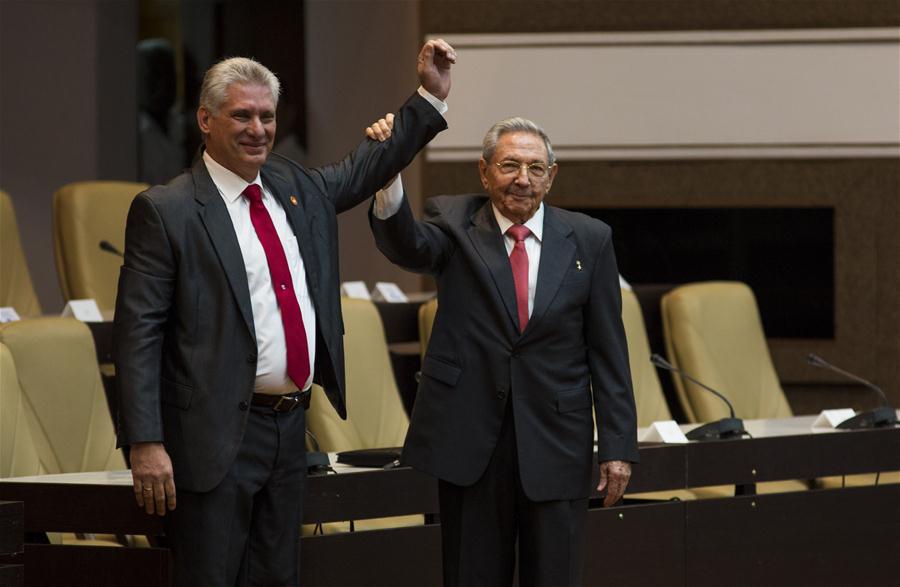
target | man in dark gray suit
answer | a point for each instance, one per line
(528, 335)
(228, 309)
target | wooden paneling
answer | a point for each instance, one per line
(514, 16)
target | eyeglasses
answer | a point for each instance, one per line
(509, 167)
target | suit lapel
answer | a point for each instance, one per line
(487, 240)
(302, 219)
(218, 225)
(557, 252)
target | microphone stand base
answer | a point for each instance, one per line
(720, 430)
(877, 418)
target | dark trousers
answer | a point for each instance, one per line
(246, 531)
(480, 525)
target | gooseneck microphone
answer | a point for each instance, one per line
(110, 248)
(724, 428)
(883, 416)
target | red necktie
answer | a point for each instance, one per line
(291, 319)
(518, 259)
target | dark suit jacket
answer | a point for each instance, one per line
(572, 353)
(184, 335)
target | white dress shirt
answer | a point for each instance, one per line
(271, 365)
(532, 245)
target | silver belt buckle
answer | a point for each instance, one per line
(286, 403)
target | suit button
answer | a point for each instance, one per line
(251, 358)
(243, 406)
(501, 394)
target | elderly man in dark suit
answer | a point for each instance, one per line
(228, 309)
(528, 336)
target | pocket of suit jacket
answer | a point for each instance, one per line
(573, 399)
(176, 394)
(441, 369)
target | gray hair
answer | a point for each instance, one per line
(236, 70)
(514, 124)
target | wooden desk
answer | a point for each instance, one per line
(12, 545)
(823, 537)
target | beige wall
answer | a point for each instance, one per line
(696, 94)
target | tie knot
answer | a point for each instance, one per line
(519, 232)
(253, 193)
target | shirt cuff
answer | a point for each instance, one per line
(438, 104)
(389, 199)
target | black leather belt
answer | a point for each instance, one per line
(283, 403)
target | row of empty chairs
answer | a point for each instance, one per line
(84, 214)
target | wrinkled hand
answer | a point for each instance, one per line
(154, 482)
(381, 129)
(433, 67)
(614, 475)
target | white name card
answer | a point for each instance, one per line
(829, 419)
(8, 314)
(84, 310)
(388, 292)
(664, 431)
(356, 290)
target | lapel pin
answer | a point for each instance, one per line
(577, 265)
(293, 200)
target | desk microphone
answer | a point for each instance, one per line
(883, 416)
(317, 462)
(724, 428)
(109, 248)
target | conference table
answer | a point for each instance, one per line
(836, 536)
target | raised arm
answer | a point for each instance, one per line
(371, 164)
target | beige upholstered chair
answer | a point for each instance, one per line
(84, 214)
(54, 414)
(18, 454)
(375, 414)
(713, 331)
(427, 313)
(16, 289)
(648, 394)
(62, 399)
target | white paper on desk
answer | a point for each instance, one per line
(389, 292)
(664, 431)
(829, 419)
(8, 314)
(356, 290)
(84, 310)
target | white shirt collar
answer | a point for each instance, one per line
(230, 184)
(535, 224)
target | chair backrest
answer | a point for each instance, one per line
(427, 313)
(16, 288)
(85, 213)
(375, 414)
(713, 332)
(62, 395)
(18, 454)
(648, 394)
